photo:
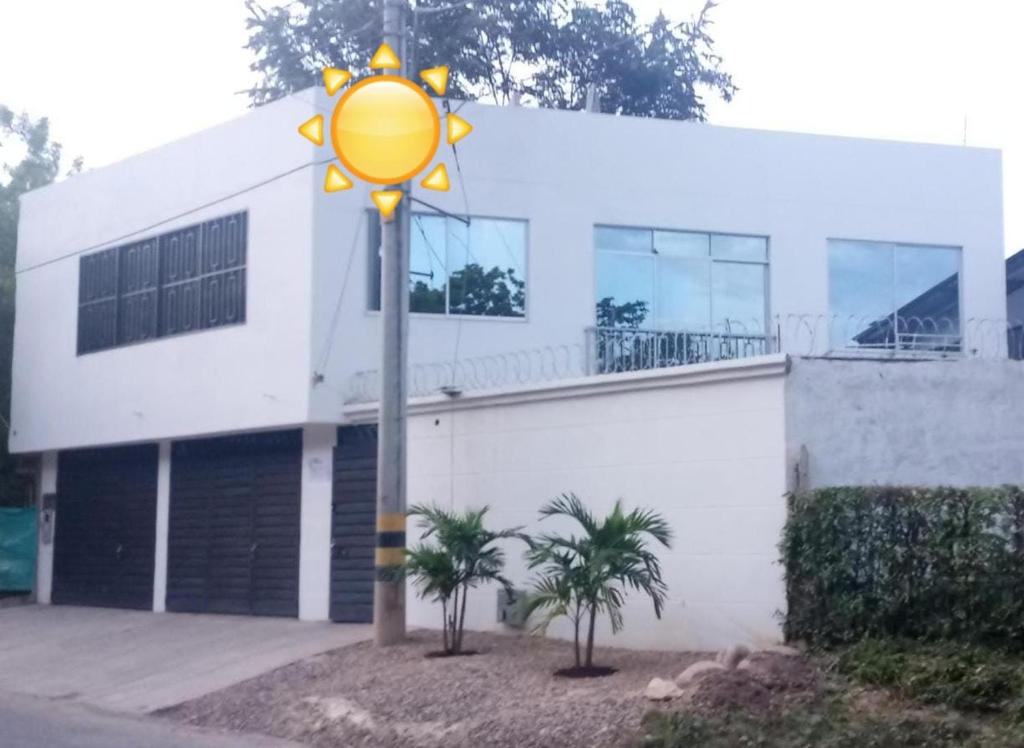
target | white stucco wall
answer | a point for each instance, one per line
(704, 446)
(567, 171)
(316, 516)
(163, 524)
(234, 378)
(307, 269)
(906, 423)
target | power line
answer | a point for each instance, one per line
(176, 216)
(329, 345)
(430, 246)
(458, 164)
(469, 239)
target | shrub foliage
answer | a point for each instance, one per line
(966, 677)
(932, 563)
(832, 724)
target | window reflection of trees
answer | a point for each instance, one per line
(476, 270)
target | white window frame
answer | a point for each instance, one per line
(709, 261)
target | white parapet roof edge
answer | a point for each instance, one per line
(713, 372)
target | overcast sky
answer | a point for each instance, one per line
(117, 77)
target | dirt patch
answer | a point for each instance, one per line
(507, 695)
(763, 681)
(730, 689)
(784, 674)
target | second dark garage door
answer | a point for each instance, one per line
(233, 545)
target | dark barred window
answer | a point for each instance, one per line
(182, 281)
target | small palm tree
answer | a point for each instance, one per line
(465, 555)
(591, 574)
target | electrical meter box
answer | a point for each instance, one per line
(512, 608)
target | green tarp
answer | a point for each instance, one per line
(17, 549)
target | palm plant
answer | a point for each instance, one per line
(591, 574)
(464, 555)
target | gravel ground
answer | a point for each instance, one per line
(505, 696)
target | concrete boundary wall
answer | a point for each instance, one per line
(703, 445)
(955, 422)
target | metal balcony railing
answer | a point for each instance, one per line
(616, 349)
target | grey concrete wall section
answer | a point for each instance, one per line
(905, 422)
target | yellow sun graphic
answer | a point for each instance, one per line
(385, 129)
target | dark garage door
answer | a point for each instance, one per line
(234, 525)
(106, 527)
(354, 524)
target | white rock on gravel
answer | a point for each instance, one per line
(733, 656)
(660, 689)
(696, 670)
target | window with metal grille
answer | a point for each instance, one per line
(185, 280)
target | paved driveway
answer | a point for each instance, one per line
(28, 722)
(136, 661)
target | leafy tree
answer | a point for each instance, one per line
(39, 165)
(630, 314)
(548, 51)
(591, 574)
(494, 292)
(465, 555)
(425, 298)
(626, 350)
(653, 71)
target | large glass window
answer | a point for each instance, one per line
(903, 296)
(477, 269)
(681, 281)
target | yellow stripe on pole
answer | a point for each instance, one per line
(391, 522)
(389, 556)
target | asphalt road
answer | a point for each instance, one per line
(28, 722)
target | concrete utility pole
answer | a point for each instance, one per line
(389, 588)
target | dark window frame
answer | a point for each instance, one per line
(187, 280)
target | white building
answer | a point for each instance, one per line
(191, 323)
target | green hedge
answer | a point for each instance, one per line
(931, 563)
